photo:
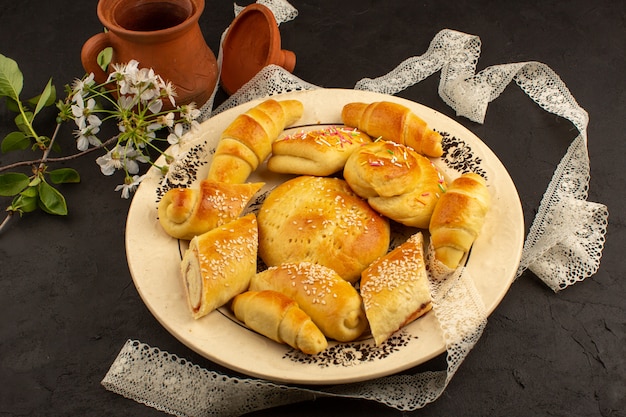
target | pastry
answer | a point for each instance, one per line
(382, 168)
(458, 218)
(219, 265)
(247, 141)
(188, 212)
(278, 317)
(320, 152)
(395, 289)
(333, 304)
(397, 182)
(395, 122)
(320, 220)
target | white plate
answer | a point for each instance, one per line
(154, 257)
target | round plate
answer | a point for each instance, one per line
(154, 257)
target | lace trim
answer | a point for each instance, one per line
(560, 249)
(168, 383)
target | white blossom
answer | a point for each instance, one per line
(189, 112)
(155, 106)
(80, 85)
(168, 91)
(138, 111)
(111, 161)
(175, 137)
(86, 132)
(130, 185)
(166, 120)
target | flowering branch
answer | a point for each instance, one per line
(44, 159)
(131, 97)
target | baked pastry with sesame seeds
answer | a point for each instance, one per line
(395, 289)
(320, 152)
(333, 304)
(397, 182)
(247, 141)
(188, 212)
(320, 220)
(278, 317)
(219, 265)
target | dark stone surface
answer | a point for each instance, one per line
(68, 302)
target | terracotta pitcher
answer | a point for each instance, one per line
(160, 34)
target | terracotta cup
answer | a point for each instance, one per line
(160, 34)
(252, 42)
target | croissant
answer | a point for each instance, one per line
(188, 212)
(278, 317)
(458, 218)
(333, 304)
(395, 289)
(219, 264)
(247, 141)
(397, 182)
(395, 122)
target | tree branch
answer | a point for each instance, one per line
(59, 159)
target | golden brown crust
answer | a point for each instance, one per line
(395, 289)
(458, 218)
(219, 265)
(333, 304)
(393, 122)
(319, 152)
(320, 220)
(278, 317)
(253, 132)
(188, 212)
(398, 182)
(382, 168)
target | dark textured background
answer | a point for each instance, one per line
(68, 302)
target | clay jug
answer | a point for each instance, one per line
(252, 42)
(160, 34)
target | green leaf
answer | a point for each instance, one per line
(35, 181)
(104, 58)
(22, 124)
(64, 176)
(14, 141)
(12, 105)
(13, 183)
(23, 204)
(30, 192)
(46, 98)
(51, 200)
(11, 78)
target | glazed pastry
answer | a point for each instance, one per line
(278, 317)
(320, 152)
(458, 218)
(188, 212)
(247, 141)
(333, 304)
(395, 289)
(382, 168)
(320, 220)
(394, 122)
(219, 265)
(397, 182)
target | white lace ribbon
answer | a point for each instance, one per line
(174, 385)
(564, 244)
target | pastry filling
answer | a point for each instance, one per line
(193, 278)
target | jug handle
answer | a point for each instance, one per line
(89, 55)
